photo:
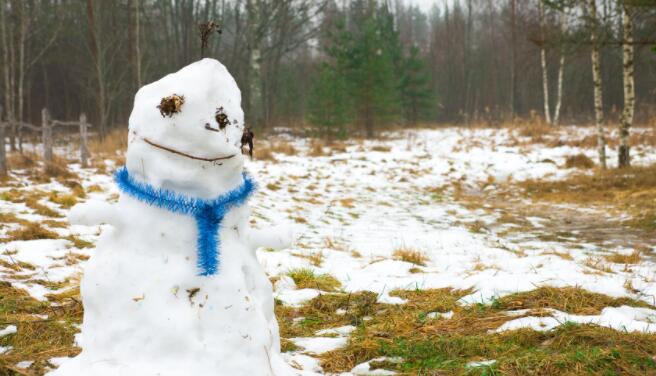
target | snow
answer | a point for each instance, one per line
(11, 329)
(440, 315)
(393, 206)
(624, 318)
(482, 363)
(318, 345)
(24, 364)
(364, 369)
(342, 330)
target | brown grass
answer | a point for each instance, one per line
(632, 190)
(115, 141)
(317, 148)
(23, 161)
(618, 258)
(31, 231)
(263, 154)
(579, 161)
(562, 255)
(410, 255)
(57, 169)
(381, 148)
(307, 279)
(444, 346)
(535, 129)
(567, 299)
(65, 201)
(37, 339)
(283, 147)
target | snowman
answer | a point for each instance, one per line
(174, 287)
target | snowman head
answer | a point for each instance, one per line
(186, 129)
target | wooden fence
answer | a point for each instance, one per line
(46, 128)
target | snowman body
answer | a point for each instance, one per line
(150, 307)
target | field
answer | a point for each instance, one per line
(430, 251)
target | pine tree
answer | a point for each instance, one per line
(373, 74)
(417, 96)
(329, 105)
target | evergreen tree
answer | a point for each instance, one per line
(329, 105)
(374, 80)
(417, 96)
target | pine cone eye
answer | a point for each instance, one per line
(171, 105)
(221, 118)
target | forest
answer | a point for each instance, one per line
(328, 63)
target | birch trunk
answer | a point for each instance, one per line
(543, 61)
(24, 25)
(8, 72)
(561, 70)
(137, 43)
(513, 54)
(597, 83)
(624, 157)
(3, 156)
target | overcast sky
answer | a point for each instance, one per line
(425, 5)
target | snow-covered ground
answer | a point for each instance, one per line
(355, 206)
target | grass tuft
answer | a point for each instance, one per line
(31, 231)
(410, 255)
(579, 161)
(307, 278)
(618, 258)
(567, 299)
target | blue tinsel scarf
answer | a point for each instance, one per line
(207, 213)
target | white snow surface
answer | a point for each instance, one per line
(624, 318)
(367, 203)
(11, 329)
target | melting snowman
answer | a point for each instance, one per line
(174, 287)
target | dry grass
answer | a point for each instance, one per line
(23, 161)
(535, 129)
(31, 231)
(562, 255)
(618, 258)
(317, 148)
(263, 154)
(315, 258)
(306, 278)
(37, 339)
(444, 346)
(632, 190)
(381, 148)
(579, 161)
(567, 299)
(65, 201)
(410, 255)
(31, 199)
(116, 141)
(283, 147)
(57, 169)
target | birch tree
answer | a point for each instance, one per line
(561, 69)
(543, 62)
(597, 81)
(624, 158)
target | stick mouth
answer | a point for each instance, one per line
(182, 154)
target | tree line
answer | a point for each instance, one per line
(337, 64)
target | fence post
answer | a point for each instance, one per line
(3, 155)
(46, 136)
(84, 151)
